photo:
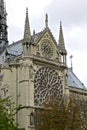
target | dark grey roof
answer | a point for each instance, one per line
(38, 36)
(73, 80)
(15, 48)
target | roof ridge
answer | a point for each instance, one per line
(15, 42)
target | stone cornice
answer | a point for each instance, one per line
(48, 61)
(76, 90)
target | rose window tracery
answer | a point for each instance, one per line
(47, 49)
(47, 84)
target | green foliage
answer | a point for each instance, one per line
(7, 112)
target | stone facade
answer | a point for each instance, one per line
(38, 73)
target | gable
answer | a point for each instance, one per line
(46, 45)
(46, 33)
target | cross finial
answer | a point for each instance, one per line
(71, 62)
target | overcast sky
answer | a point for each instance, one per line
(72, 13)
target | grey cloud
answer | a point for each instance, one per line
(70, 12)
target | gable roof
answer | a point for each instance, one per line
(38, 36)
(15, 48)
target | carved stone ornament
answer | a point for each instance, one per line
(47, 49)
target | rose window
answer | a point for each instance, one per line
(47, 84)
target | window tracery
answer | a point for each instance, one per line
(47, 85)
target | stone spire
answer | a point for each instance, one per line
(27, 33)
(3, 27)
(61, 38)
(46, 20)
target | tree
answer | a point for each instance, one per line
(61, 116)
(7, 112)
(84, 114)
(74, 115)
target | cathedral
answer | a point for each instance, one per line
(35, 68)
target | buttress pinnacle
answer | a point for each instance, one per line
(27, 33)
(61, 38)
(61, 41)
